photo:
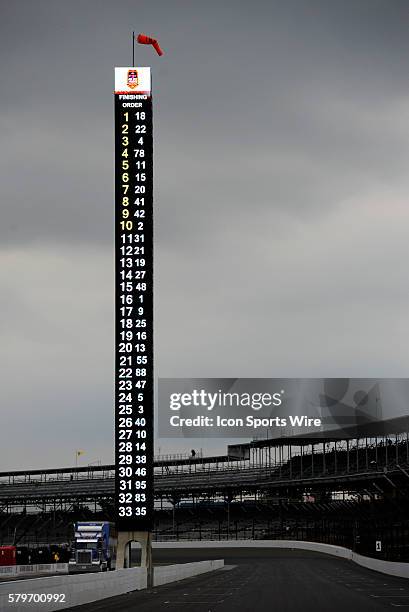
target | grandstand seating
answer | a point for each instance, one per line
(354, 489)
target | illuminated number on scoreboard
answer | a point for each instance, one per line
(134, 311)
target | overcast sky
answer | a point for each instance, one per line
(281, 196)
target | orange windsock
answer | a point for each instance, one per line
(142, 39)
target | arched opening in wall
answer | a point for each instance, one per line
(134, 549)
(134, 554)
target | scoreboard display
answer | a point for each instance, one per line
(133, 300)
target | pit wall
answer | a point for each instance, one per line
(26, 570)
(85, 588)
(391, 568)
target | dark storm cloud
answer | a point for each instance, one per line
(302, 109)
(281, 148)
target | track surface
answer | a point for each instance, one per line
(265, 580)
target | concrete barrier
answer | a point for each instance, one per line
(77, 589)
(170, 573)
(8, 570)
(391, 568)
(42, 568)
(338, 551)
(27, 569)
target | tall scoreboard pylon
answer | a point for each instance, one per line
(134, 311)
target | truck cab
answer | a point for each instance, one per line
(94, 547)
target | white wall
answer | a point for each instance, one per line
(338, 551)
(42, 568)
(84, 588)
(385, 567)
(78, 589)
(170, 573)
(392, 568)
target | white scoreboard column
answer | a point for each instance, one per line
(133, 300)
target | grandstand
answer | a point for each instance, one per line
(351, 491)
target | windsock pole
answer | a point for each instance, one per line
(133, 49)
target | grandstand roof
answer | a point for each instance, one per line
(367, 429)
